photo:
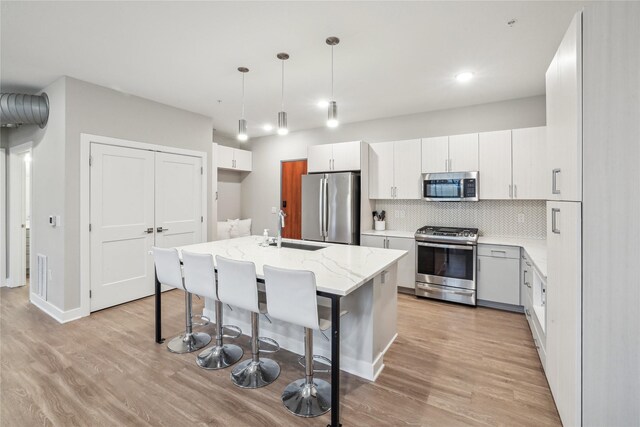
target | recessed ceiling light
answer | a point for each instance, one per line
(323, 103)
(464, 77)
(268, 127)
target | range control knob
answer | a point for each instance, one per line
(465, 233)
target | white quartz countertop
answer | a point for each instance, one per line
(339, 269)
(535, 248)
(391, 233)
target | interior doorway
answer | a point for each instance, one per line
(291, 196)
(20, 201)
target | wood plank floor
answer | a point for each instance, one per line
(451, 365)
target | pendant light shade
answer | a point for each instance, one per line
(283, 129)
(242, 123)
(332, 113)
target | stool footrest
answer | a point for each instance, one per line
(203, 317)
(323, 359)
(269, 341)
(234, 328)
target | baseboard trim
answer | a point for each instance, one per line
(500, 306)
(406, 291)
(53, 311)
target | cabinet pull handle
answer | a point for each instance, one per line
(446, 165)
(554, 220)
(554, 181)
(515, 191)
(450, 165)
(510, 191)
(478, 263)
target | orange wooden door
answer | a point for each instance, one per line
(291, 197)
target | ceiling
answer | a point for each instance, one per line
(394, 57)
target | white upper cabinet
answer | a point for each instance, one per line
(463, 153)
(494, 160)
(529, 152)
(407, 179)
(225, 157)
(346, 156)
(233, 158)
(564, 116)
(381, 170)
(435, 154)
(394, 170)
(343, 156)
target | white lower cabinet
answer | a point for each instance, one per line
(564, 308)
(498, 270)
(406, 265)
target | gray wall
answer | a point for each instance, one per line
(80, 107)
(611, 214)
(48, 165)
(102, 111)
(261, 188)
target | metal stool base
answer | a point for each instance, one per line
(189, 343)
(250, 374)
(307, 400)
(219, 357)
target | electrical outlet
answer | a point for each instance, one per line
(274, 210)
(521, 218)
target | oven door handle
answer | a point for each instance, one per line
(444, 291)
(439, 245)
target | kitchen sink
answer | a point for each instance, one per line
(301, 246)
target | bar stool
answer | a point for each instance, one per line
(169, 273)
(291, 297)
(200, 279)
(237, 286)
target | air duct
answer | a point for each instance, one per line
(18, 109)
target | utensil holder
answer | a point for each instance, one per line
(379, 225)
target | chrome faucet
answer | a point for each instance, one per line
(281, 216)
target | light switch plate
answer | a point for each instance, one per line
(274, 210)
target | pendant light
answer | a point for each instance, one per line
(242, 123)
(332, 114)
(282, 115)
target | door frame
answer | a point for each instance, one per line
(3, 224)
(85, 196)
(16, 242)
(280, 186)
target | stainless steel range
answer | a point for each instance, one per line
(446, 263)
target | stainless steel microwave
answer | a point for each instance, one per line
(450, 187)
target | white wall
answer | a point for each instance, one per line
(611, 213)
(261, 188)
(229, 191)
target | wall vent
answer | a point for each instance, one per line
(41, 280)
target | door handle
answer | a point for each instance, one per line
(554, 220)
(554, 181)
(148, 230)
(160, 229)
(321, 206)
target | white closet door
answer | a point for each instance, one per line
(178, 201)
(122, 204)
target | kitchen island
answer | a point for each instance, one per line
(359, 280)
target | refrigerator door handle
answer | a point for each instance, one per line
(325, 208)
(321, 207)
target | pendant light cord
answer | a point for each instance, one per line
(282, 98)
(243, 95)
(332, 73)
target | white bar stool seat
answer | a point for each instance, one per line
(291, 297)
(238, 286)
(200, 279)
(169, 272)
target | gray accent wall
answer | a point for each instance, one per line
(261, 188)
(611, 214)
(79, 107)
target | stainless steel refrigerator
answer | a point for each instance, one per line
(331, 207)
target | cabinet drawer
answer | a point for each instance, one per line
(499, 251)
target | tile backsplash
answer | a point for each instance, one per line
(509, 218)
